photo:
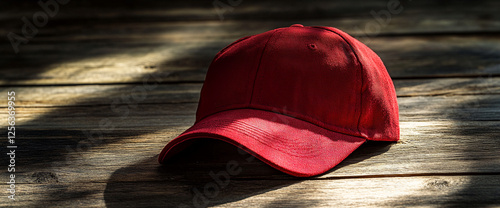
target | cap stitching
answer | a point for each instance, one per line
(362, 72)
(257, 134)
(258, 66)
(257, 107)
(302, 117)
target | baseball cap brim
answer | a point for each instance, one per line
(291, 145)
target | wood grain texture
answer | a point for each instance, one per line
(440, 135)
(158, 93)
(420, 16)
(426, 191)
(444, 135)
(168, 60)
(106, 84)
(97, 44)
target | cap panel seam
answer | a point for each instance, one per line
(362, 72)
(258, 66)
(217, 56)
(232, 44)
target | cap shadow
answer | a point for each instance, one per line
(207, 173)
(365, 151)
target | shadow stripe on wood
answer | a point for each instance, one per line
(382, 192)
(105, 95)
(171, 61)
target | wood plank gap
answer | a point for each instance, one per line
(313, 178)
(440, 33)
(446, 94)
(166, 82)
(410, 175)
(451, 76)
(97, 105)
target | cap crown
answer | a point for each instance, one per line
(317, 74)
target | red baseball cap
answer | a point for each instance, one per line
(301, 99)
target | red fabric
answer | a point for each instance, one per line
(291, 145)
(379, 112)
(324, 82)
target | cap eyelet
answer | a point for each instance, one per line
(312, 46)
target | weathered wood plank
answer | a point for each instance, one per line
(448, 87)
(473, 15)
(113, 61)
(155, 93)
(443, 191)
(174, 56)
(439, 134)
(391, 192)
(85, 95)
(478, 107)
(398, 25)
(425, 149)
(437, 148)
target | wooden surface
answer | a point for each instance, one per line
(139, 67)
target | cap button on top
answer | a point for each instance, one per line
(297, 25)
